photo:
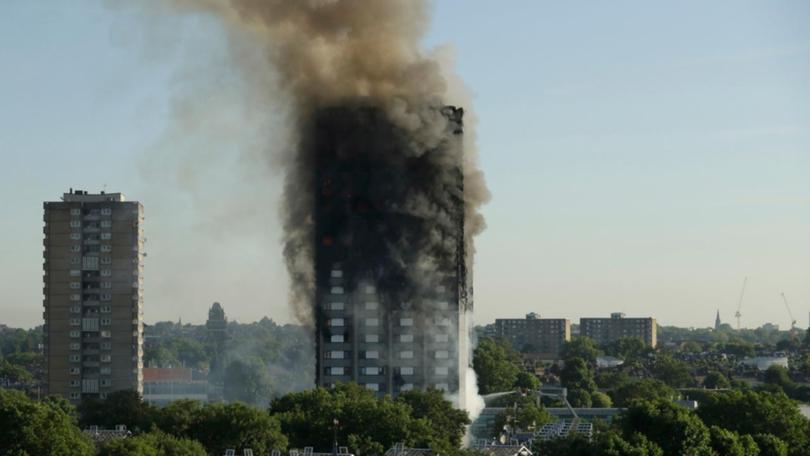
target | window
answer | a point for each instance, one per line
(106, 346)
(75, 309)
(75, 396)
(406, 337)
(337, 338)
(75, 322)
(370, 289)
(442, 321)
(106, 273)
(75, 371)
(105, 382)
(372, 370)
(75, 333)
(105, 310)
(337, 290)
(75, 248)
(372, 354)
(106, 358)
(75, 211)
(442, 386)
(103, 395)
(441, 354)
(74, 260)
(336, 306)
(336, 322)
(106, 284)
(372, 338)
(105, 260)
(406, 387)
(406, 370)
(406, 354)
(105, 322)
(75, 358)
(441, 337)
(106, 223)
(372, 306)
(373, 386)
(75, 346)
(106, 211)
(106, 236)
(75, 285)
(106, 297)
(74, 383)
(75, 224)
(335, 354)
(372, 322)
(106, 248)
(76, 236)
(337, 370)
(75, 273)
(336, 273)
(90, 324)
(443, 305)
(406, 322)
(441, 370)
(105, 371)
(440, 289)
(105, 334)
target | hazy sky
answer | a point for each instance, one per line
(643, 156)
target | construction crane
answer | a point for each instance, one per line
(737, 314)
(792, 320)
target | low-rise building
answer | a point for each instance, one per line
(606, 330)
(162, 386)
(544, 336)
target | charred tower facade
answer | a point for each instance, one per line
(392, 287)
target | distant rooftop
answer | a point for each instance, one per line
(83, 196)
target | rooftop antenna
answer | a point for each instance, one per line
(737, 314)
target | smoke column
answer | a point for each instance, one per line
(358, 54)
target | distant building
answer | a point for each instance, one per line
(764, 362)
(607, 330)
(493, 449)
(533, 334)
(717, 321)
(162, 386)
(93, 282)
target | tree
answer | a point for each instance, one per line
(778, 375)
(308, 419)
(446, 423)
(645, 389)
(527, 381)
(626, 348)
(221, 426)
(676, 430)
(728, 443)
(608, 443)
(580, 347)
(600, 400)
(671, 371)
(120, 407)
(247, 381)
(770, 445)
(752, 412)
(716, 380)
(38, 428)
(577, 375)
(154, 443)
(496, 366)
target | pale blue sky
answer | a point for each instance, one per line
(643, 156)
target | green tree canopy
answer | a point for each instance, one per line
(247, 381)
(154, 443)
(580, 347)
(447, 423)
(577, 375)
(715, 379)
(29, 427)
(120, 407)
(676, 430)
(527, 380)
(646, 389)
(496, 365)
(752, 412)
(671, 371)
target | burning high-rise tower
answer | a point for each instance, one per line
(391, 286)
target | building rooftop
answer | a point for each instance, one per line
(83, 196)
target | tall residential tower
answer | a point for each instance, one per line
(391, 281)
(93, 279)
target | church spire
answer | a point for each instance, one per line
(717, 321)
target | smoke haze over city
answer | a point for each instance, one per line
(633, 168)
